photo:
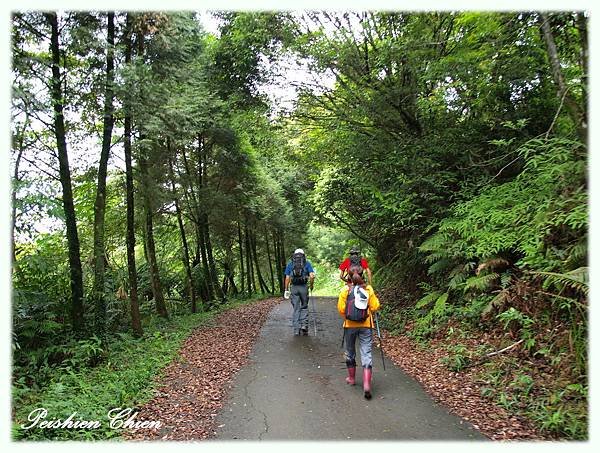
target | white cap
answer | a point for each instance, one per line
(361, 298)
(299, 251)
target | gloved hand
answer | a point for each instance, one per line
(286, 294)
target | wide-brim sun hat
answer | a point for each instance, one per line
(299, 251)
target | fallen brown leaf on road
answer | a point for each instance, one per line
(459, 392)
(193, 386)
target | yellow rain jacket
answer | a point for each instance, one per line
(373, 305)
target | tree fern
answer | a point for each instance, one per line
(458, 275)
(481, 282)
(578, 254)
(577, 279)
(440, 306)
(439, 266)
(427, 299)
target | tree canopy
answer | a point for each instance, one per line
(153, 176)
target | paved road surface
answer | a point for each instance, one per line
(293, 389)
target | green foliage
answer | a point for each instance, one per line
(440, 146)
(125, 379)
(327, 280)
(516, 320)
(519, 216)
(457, 358)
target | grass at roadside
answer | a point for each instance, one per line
(124, 379)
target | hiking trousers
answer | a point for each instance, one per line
(299, 299)
(365, 344)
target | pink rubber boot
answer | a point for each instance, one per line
(351, 375)
(367, 375)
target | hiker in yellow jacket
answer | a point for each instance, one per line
(356, 304)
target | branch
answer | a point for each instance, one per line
(562, 101)
(352, 230)
(491, 354)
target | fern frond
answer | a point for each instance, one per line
(481, 282)
(439, 266)
(427, 299)
(437, 242)
(506, 279)
(440, 305)
(578, 254)
(577, 279)
(436, 256)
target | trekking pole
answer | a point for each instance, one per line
(314, 312)
(380, 340)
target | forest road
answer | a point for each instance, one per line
(293, 388)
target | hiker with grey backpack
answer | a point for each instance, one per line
(299, 278)
(357, 303)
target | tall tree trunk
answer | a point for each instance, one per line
(184, 243)
(157, 292)
(195, 214)
(282, 258)
(269, 260)
(263, 286)
(228, 280)
(100, 203)
(240, 245)
(211, 261)
(213, 283)
(136, 323)
(583, 38)
(75, 271)
(232, 279)
(277, 258)
(249, 271)
(575, 112)
(19, 139)
(201, 224)
(205, 270)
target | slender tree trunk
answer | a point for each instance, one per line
(240, 244)
(195, 213)
(100, 203)
(211, 267)
(208, 281)
(136, 323)
(232, 280)
(575, 111)
(205, 269)
(157, 292)
(184, 243)
(249, 270)
(277, 258)
(14, 208)
(211, 261)
(269, 260)
(583, 38)
(203, 286)
(19, 139)
(76, 274)
(282, 258)
(263, 286)
(225, 284)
